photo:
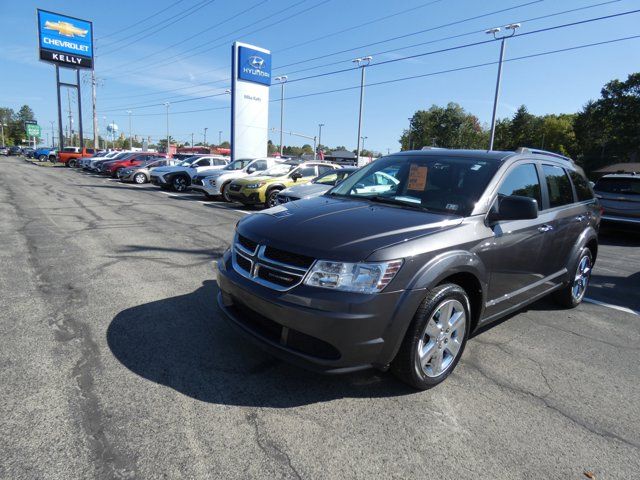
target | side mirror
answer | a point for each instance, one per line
(514, 207)
(250, 170)
(295, 176)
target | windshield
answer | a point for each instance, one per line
(332, 177)
(188, 161)
(444, 184)
(120, 156)
(278, 170)
(620, 185)
(238, 164)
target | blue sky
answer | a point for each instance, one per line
(148, 68)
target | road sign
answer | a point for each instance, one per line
(65, 41)
(30, 122)
(33, 130)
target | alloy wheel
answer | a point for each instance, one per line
(225, 193)
(179, 184)
(272, 200)
(140, 178)
(442, 338)
(581, 279)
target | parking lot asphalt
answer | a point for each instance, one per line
(116, 363)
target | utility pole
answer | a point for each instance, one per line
(168, 141)
(130, 134)
(282, 79)
(494, 31)
(96, 140)
(320, 125)
(410, 131)
(363, 139)
(362, 63)
(70, 118)
(191, 140)
(53, 137)
(2, 125)
(205, 136)
(219, 137)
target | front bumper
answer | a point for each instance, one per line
(248, 196)
(318, 329)
(158, 180)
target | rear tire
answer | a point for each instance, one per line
(42, 158)
(72, 163)
(435, 339)
(140, 178)
(573, 293)
(224, 192)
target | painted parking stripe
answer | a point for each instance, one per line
(610, 305)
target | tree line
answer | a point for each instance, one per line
(13, 124)
(604, 131)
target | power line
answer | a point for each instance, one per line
(412, 77)
(155, 28)
(133, 25)
(423, 54)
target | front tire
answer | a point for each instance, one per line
(72, 163)
(272, 198)
(573, 293)
(42, 158)
(140, 178)
(435, 339)
(224, 192)
(179, 183)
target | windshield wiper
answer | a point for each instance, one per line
(393, 201)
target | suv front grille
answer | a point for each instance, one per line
(268, 266)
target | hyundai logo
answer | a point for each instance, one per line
(256, 62)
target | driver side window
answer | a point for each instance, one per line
(522, 181)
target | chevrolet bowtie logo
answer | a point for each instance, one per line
(65, 28)
(256, 62)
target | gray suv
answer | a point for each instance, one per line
(619, 195)
(397, 265)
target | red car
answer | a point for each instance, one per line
(112, 167)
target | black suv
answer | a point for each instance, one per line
(398, 264)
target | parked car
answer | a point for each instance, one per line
(142, 173)
(71, 155)
(399, 278)
(619, 195)
(28, 152)
(96, 163)
(112, 167)
(263, 189)
(318, 186)
(45, 154)
(15, 150)
(4, 151)
(85, 162)
(178, 178)
(215, 184)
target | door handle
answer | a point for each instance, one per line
(545, 228)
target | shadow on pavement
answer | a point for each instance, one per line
(184, 343)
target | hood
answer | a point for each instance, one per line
(256, 178)
(307, 190)
(174, 168)
(338, 229)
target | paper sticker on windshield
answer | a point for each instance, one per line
(417, 178)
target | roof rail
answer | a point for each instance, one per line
(537, 151)
(433, 148)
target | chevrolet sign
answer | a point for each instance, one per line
(254, 66)
(66, 41)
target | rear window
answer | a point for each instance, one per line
(583, 190)
(626, 186)
(559, 187)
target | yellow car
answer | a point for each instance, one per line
(262, 189)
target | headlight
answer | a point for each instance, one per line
(353, 277)
(212, 182)
(255, 185)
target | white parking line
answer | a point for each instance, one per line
(610, 305)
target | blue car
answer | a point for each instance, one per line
(45, 153)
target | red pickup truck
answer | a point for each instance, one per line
(70, 155)
(112, 167)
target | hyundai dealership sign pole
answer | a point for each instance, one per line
(66, 42)
(251, 78)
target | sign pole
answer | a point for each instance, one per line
(60, 136)
(79, 108)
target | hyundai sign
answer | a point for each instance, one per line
(254, 65)
(251, 78)
(64, 40)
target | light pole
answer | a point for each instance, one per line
(282, 79)
(53, 138)
(363, 139)
(130, 134)
(410, 131)
(320, 125)
(166, 104)
(361, 63)
(494, 31)
(219, 137)
(205, 136)
(191, 140)
(2, 125)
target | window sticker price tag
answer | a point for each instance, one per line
(417, 178)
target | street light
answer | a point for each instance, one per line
(205, 136)
(363, 139)
(282, 79)
(219, 137)
(320, 125)
(166, 104)
(409, 136)
(361, 63)
(53, 137)
(512, 27)
(130, 134)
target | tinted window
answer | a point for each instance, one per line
(260, 165)
(559, 187)
(324, 168)
(217, 162)
(203, 163)
(626, 186)
(583, 190)
(524, 182)
(307, 171)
